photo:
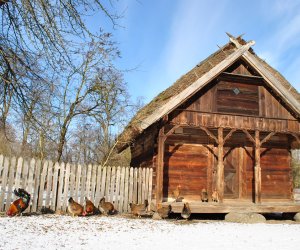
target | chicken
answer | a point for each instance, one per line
(164, 212)
(19, 205)
(90, 208)
(139, 209)
(215, 196)
(186, 211)
(75, 209)
(106, 207)
(176, 193)
(204, 195)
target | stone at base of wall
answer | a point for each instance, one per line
(245, 218)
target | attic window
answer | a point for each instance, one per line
(236, 91)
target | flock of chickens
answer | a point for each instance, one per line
(107, 208)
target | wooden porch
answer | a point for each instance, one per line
(237, 206)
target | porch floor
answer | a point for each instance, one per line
(237, 206)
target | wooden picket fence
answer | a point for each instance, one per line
(52, 184)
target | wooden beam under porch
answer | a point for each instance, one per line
(237, 206)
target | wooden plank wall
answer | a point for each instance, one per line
(276, 174)
(185, 165)
(52, 184)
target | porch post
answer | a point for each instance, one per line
(257, 168)
(160, 165)
(220, 167)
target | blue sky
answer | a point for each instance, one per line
(163, 39)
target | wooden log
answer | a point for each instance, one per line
(150, 185)
(146, 184)
(54, 186)
(257, 169)
(160, 166)
(37, 173)
(220, 167)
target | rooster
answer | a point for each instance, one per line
(19, 205)
(186, 211)
(139, 209)
(176, 193)
(90, 208)
(215, 196)
(204, 195)
(164, 212)
(75, 209)
(106, 207)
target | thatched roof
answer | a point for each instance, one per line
(141, 120)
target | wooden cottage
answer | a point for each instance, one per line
(227, 125)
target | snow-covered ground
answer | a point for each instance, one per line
(65, 232)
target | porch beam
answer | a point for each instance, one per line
(257, 169)
(210, 134)
(220, 167)
(267, 138)
(229, 135)
(160, 165)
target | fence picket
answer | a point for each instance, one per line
(103, 181)
(122, 185)
(140, 180)
(88, 181)
(135, 185)
(1, 168)
(66, 187)
(130, 196)
(4, 182)
(98, 185)
(25, 175)
(83, 184)
(54, 186)
(107, 186)
(34, 207)
(77, 181)
(49, 183)
(93, 184)
(19, 172)
(10, 182)
(42, 184)
(117, 193)
(125, 206)
(72, 179)
(112, 184)
(61, 174)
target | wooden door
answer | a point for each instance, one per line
(231, 173)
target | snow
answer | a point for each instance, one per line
(117, 232)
